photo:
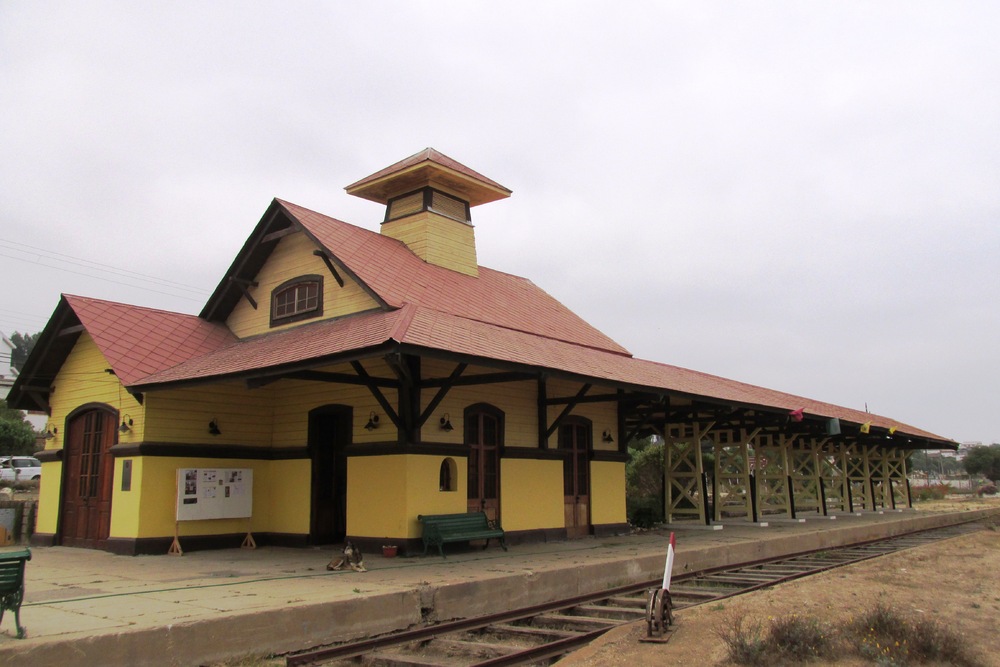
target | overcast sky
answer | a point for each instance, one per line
(803, 196)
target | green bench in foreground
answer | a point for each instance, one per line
(442, 528)
(12, 584)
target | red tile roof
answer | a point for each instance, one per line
(399, 276)
(444, 332)
(496, 317)
(139, 341)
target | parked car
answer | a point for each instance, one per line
(19, 468)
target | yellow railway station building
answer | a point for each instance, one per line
(340, 382)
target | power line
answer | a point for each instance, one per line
(124, 274)
(92, 266)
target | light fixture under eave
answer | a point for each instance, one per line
(213, 427)
(50, 431)
(606, 437)
(126, 424)
(372, 421)
(446, 423)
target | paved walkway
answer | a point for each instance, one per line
(92, 607)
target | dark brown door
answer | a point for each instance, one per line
(483, 436)
(574, 441)
(329, 434)
(86, 513)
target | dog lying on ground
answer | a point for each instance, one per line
(350, 557)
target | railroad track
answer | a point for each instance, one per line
(539, 634)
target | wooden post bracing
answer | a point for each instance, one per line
(895, 465)
(804, 473)
(683, 497)
(833, 470)
(732, 473)
(879, 476)
(856, 463)
(771, 474)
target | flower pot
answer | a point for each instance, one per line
(389, 551)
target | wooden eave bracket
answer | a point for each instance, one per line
(568, 409)
(40, 395)
(376, 392)
(441, 393)
(244, 286)
(325, 256)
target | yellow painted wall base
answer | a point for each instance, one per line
(607, 492)
(531, 494)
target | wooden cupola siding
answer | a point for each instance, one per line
(437, 239)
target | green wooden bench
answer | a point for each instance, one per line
(12, 584)
(465, 527)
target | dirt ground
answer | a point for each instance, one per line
(956, 582)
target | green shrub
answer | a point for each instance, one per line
(798, 638)
(934, 492)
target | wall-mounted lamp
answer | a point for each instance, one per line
(50, 431)
(606, 436)
(213, 427)
(372, 421)
(126, 424)
(446, 423)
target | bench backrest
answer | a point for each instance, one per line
(457, 522)
(12, 569)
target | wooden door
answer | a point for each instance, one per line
(86, 508)
(329, 434)
(574, 441)
(483, 435)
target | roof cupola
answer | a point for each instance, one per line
(428, 198)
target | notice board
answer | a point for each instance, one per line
(214, 493)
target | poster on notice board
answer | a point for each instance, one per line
(214, 493)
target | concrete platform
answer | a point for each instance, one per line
(95, 608)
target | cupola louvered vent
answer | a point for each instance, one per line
(427, 199)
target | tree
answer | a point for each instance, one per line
(23, 344)
(985, 461)
(644, 482)
(16, 434)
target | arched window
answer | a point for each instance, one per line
(297, 299)
(448, 475)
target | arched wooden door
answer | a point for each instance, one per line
(88, 477)
(484, 437)
(574, 441)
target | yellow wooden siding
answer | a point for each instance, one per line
(293, 399)
(607, 492)
(438, 240)
(293, 257)
(531, 494)
(603, 416)
(244, 416)
(82, 379)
